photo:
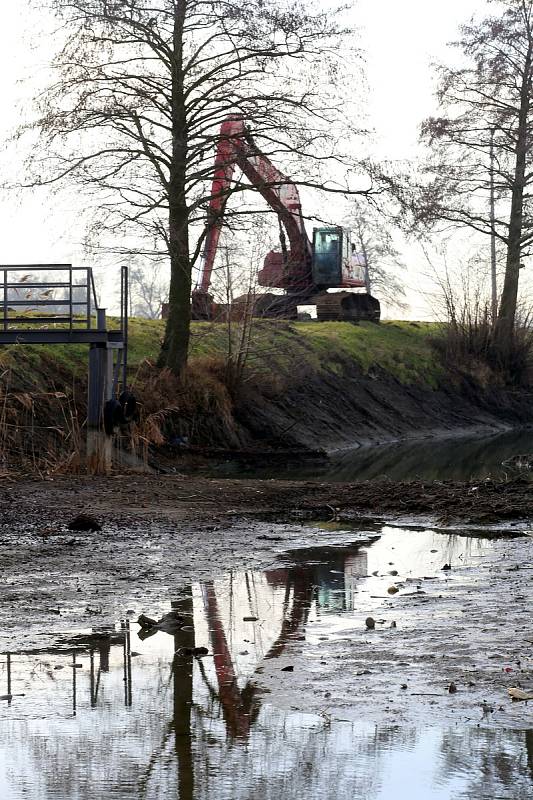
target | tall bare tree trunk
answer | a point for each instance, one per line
(176, 342)
(506, 316)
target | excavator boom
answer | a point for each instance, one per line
(236, 148)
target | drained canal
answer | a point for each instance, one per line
(297, 696)
(458, 458)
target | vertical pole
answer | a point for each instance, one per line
(127, 663)
(494, 288)
(70, 311)
(126, 312)
(88, 290)
(124, 666)
(8, 656)
(74, 689)
(101, 321)
(5, 300)
(99, 444)
(92, 686)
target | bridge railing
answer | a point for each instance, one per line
(52, 296)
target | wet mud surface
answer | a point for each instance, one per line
(297, 695)
(129, 499)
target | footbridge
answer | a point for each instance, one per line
(57, 304)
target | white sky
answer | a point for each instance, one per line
(401, 39)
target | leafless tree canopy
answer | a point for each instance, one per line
(148, 290)
(373, 238)
(141, 89)
(487, 100)
(479, 101)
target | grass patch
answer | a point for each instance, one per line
(401, 348)
(287, 348)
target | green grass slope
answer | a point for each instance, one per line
(401, 348)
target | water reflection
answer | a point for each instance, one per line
(468, 458)
(112, 714)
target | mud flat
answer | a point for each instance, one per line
(125, 498)
(278, 581)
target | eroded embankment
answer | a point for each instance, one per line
(329, 386)
(300, 387)
(332, 411)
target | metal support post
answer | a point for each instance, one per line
(101, 319)
(99, 445)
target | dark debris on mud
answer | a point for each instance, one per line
(485, 501)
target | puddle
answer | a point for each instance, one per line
(109, 714)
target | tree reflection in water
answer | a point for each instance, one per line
(167, 724)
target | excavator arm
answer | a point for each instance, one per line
(290, 270)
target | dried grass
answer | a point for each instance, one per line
(198, 405)
(40, 432)
(467, 343)
(43, 432)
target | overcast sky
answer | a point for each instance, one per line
(400, 39)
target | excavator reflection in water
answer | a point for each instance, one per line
(280, 601)
(204, 691)
(200, 728)
(287, 595)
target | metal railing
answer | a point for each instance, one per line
(54, 296)
(57, 304)
(31, 297)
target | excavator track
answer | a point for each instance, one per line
(346, 307)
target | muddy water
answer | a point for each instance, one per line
(457, 458)
(119, 713)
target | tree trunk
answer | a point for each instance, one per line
(176, 342)
(504, 330)
(175, 346)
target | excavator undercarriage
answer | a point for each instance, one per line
(332, 306)
(346, 306)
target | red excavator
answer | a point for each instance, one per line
(305, 270)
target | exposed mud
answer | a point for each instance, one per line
(295, 673)
(338, 410)
(297, 695)
(160, 532)
(446, 644)
(126, 499)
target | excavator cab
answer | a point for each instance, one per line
(335, 263)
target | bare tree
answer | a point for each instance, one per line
(141, 90)
(148, 290)
(486, 104)
(374, 241)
